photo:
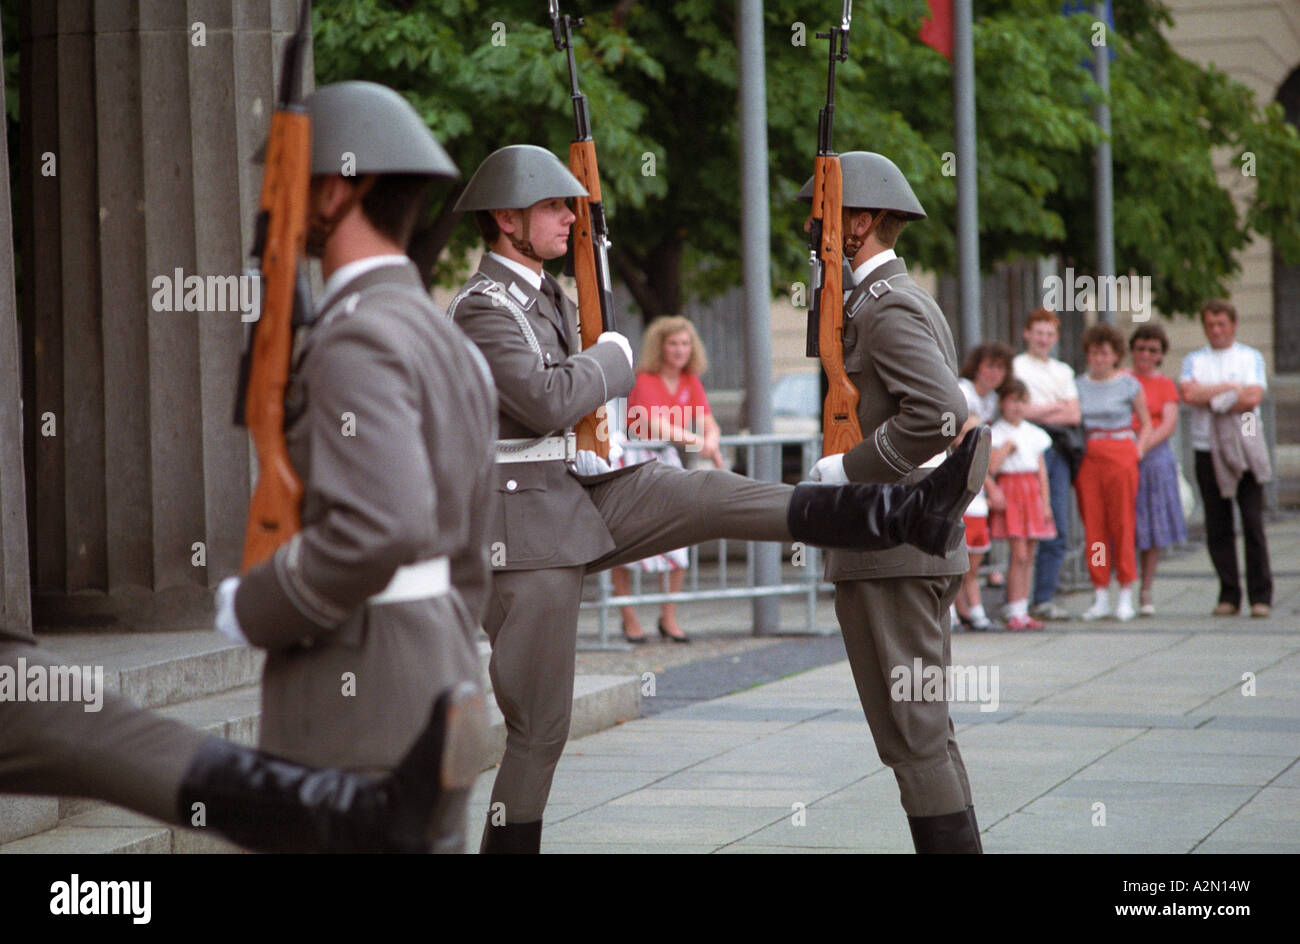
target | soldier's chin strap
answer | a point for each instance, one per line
(524, 245)
(320, 227)
(853, 243)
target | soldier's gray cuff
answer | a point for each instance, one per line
(618, 373)
(868, 461)
(270, 615)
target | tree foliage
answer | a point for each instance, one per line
(662, 81)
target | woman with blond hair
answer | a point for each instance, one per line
(668, 403)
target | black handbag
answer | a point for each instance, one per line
(1069, 442)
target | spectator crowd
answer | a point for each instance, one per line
(1104, 434)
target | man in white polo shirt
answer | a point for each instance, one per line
(1227, 377)
(1053, 401)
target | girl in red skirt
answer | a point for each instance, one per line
(1016, 463)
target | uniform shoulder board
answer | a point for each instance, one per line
(496, 293)
(479, 284)
(881, 287)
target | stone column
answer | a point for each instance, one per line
(151, 110)
(15, 598)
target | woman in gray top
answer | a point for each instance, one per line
(1107, 482)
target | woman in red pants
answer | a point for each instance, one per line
(1107, 482)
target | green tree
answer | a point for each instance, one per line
(662, 81)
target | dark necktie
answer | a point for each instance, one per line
(552, 292)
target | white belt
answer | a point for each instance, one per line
(548, 449)
(430, 578)
(1112, 434)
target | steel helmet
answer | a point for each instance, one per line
(873, 182)
(516, 177)
(362, 128)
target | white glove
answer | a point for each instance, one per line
(227, 622)
(1224, 401)
(622, 342)
(830, 470)
(587, 462)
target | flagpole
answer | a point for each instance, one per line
(755, 230)
(1103, 179)
(968, 250)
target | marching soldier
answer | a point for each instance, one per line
(369, 612)
(892, 604)
(563, 514)
(160, 767)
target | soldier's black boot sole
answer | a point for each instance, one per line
(946, 492)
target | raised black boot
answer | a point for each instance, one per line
(949, 833)
(873, 517)
(512, 839)
(269, 804)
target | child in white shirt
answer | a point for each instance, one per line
(1018, 467)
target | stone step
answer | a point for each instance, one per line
(22, 816)
(41, 825)
(158, 669)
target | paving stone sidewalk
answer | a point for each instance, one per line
(1146, 727)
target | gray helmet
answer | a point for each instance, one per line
(873, 182)
(365, 128)
(518, 176)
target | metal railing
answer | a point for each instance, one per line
(808, 586)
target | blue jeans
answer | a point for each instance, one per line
(1051, 554)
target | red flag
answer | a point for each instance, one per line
(936, 32)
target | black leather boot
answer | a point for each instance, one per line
(872, 517)
(269, 804)
(975, 828)
(949, 833)
(512, 839)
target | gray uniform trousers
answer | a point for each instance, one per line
(893, 604)
(888, 623)
(120, 753)
(532, 615)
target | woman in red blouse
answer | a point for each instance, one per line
(668, 403)
(1159, 505)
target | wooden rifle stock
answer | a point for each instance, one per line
(592, 429)
(273, 515)
(840, 428)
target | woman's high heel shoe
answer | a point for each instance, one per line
(634, 640)
(667, 635)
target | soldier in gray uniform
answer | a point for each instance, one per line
(893, 604)
(369, 612)
(562, 514)
(104, 747)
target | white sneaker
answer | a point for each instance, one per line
(1100, 610)
(1147, 609)
(1124, 611)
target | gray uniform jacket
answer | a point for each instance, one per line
(899, 353)
(391, 419)
(545, 383)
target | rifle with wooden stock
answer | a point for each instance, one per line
(279, 247)
(590, 233)
(840, 429)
